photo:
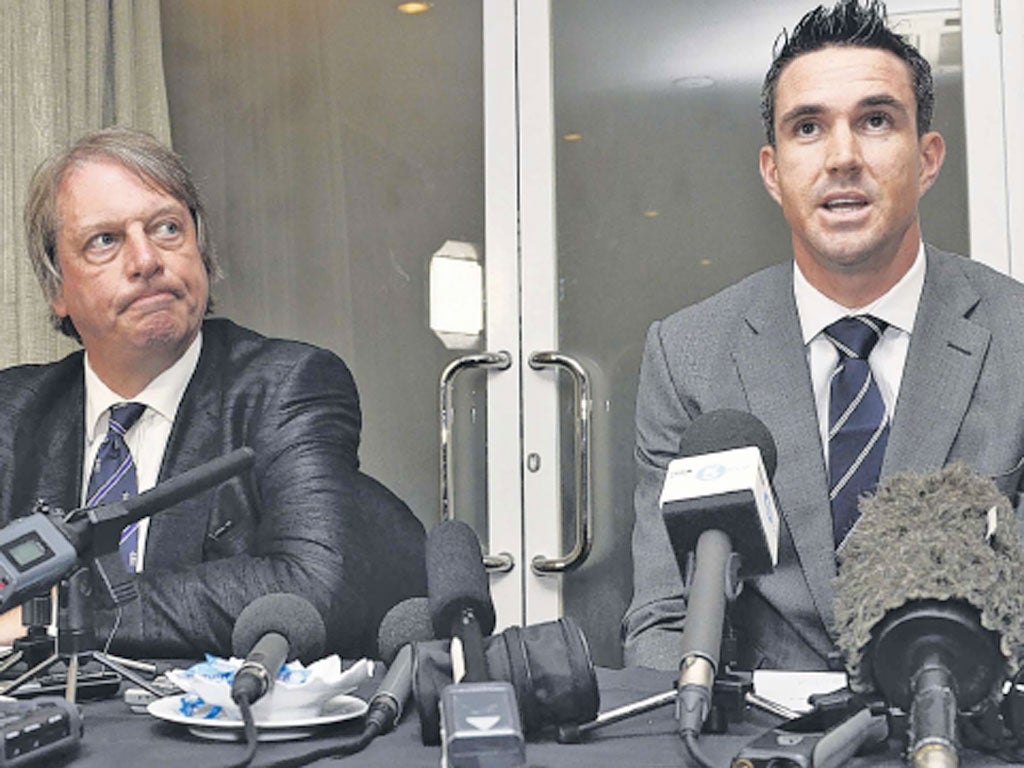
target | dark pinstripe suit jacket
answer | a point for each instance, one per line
(961, 397)
(304, 520)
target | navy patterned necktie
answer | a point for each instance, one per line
(113, 474)
(858, 425)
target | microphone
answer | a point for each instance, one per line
(41, 548)
(459, 593)
(927, 602)
(169, 492)
(406, 623)
(720, 515)
(480, 722)
(270, 631)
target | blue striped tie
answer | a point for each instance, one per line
(858, 425)
(113, 474)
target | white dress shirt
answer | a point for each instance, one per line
(147, 439)
(897, 307)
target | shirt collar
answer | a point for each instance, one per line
(897, 306)
(162, 395)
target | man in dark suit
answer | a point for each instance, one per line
(847, 106)
(117, 235)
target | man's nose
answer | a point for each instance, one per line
(843, 150)
(142, 258)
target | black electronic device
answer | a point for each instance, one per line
(34, 555)
(32, 732)
(480, 726)
(795, 745)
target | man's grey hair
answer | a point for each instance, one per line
(154, 163)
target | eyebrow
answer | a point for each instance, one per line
(176, 208)
(810, 110)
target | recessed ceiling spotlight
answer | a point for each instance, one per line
(693, 82)
(414, 8)
(651, 214)
(572, 136)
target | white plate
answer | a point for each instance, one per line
(225, 728)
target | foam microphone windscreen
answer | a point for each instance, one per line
(288, 615)
(726, 429)
(941, 536)
(456, 578)
(407, 622)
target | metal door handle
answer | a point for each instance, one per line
(503, 561)
(584, 512)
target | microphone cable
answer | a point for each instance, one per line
(379, 719)
(689, 738)
(249, 726)
(383, 714)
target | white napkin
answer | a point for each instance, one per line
(298, 693)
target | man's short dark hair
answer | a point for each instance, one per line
(850, 23)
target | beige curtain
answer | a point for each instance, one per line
(66, 66)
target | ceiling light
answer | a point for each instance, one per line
(572, 136)
(693, 82)
(414, 8)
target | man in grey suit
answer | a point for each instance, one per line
(117, 236)
(847, 108)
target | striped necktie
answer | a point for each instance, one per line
(113, 474)
(858, 425)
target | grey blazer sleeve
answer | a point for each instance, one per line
(653, 623)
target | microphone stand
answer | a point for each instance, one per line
(75, 640)
(36, 644)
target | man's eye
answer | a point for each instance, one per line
(806, 129)
(168, 228)
(878, 120)
(101, 241)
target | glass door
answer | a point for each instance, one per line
(640, 131)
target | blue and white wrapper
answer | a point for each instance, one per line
(299, 692)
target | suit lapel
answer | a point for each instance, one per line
(943, 364)
(176, 536)
(46, 447)
(771, 361)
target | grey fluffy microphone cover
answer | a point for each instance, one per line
(930, 536)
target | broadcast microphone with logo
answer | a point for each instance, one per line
(720, 514)
(927, 602)
(270, 631)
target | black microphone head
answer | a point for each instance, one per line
(288, 615)
(927, 543)
(407, 622)
(456, 578)
(726, 429)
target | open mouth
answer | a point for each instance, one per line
(845, 205)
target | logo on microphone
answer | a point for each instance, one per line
(711, 472)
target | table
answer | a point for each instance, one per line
(116, 738)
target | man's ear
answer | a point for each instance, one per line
(933, 153)
(57, 304)
(770, 172)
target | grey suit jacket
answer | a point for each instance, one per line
(961, 397)
(304, 520)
